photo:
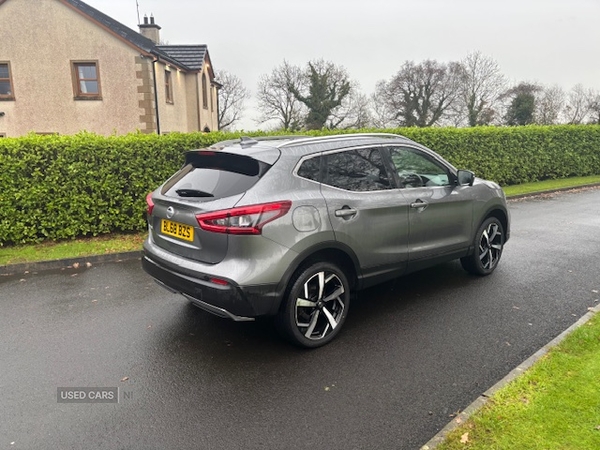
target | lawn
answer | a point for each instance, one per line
(553, 405)
(46, 251)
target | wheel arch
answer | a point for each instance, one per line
(333, 252)
(502, 216)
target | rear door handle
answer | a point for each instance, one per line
(345, 212)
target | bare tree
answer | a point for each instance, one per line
(232, 96)
(276, 100)
(577, 107)
(418, 95)
(549, 105)
(354, 112)
(383, 105)
(594, 107)
(480, 85)
(325, 88)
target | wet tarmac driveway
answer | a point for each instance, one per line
(412, 353)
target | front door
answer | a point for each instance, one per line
(440, 213)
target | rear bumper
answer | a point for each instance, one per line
(230, 301)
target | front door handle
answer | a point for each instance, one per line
(418, 204)
(345, 212)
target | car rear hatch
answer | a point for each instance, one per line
(209, 181)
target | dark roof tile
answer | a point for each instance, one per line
(191, 56)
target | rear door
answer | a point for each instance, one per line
(366, 212)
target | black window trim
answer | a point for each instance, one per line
(387, 160)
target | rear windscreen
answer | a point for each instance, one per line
(214, 175)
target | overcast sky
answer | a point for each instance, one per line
(544, 41)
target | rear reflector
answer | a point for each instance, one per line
(243, 220)
(218, 281)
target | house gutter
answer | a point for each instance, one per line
(198, 101)
(154, 61)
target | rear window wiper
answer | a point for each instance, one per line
(193, 193)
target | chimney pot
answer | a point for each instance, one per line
(149, 29)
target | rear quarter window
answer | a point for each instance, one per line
(311, 169)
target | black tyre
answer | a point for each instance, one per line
(489, 242)
(316, 305)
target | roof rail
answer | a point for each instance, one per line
(335, 137)
(246, 141)
(280, 137)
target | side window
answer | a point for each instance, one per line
(415, 169)
(204, 92)
(310, 169)
(357, 170)
(86, 80)
(168, 87)
(6, 87)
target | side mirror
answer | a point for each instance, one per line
(465, 177)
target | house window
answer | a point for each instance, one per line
(86, 80)
(168, 87)
(2, 135)
(204, 92)
(212, 106)
(6, 87)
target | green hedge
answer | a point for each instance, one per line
(516, 155)
(58, 187)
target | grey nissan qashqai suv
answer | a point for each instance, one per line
(289, 226)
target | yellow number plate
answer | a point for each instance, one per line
(177, 230)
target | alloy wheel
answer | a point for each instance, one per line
(319, 308)
(490, 246)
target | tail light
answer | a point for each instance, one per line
(149, 203)
(243, 220)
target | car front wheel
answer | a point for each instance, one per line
(489, 242)
(316, 305)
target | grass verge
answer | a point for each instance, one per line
(553, 405)
(46, 251)
(549, 185)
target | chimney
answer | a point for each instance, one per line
(150, 29)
